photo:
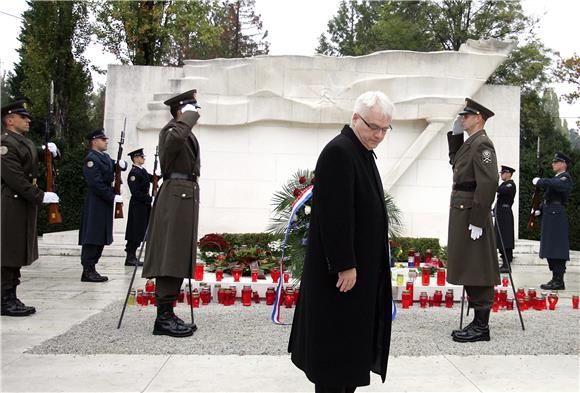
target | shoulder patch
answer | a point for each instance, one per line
(90, 164)
(3, 150)
(132, 178)
(486, 157)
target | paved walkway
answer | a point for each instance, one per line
(53, 285)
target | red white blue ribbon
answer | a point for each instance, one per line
(298, 203)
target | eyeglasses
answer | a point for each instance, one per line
(376, 128)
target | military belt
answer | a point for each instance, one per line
(468, 186)
(180, 176)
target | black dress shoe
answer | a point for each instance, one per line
(93, 276)
(476, 331)
(167, 325)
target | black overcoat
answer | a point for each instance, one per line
(139, 181)
(97, 218)
(504, 217)
(554, 242)
(338, 338)
(20, 200)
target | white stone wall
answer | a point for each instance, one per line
(264, 118)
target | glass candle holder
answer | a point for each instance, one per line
(575, 299)
(426, 276)
(219, 275)
(237, 273)
(505, 281)
(423, 299)
(275, 274)
(270, 296)
(199, 268)
(254, 274)
(247, 295)
(449, 298)
(150, 286)
(441, 277)
(437, 298)
(552, 300)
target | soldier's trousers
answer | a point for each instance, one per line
(10, 277)
(167, 289)
(480, 298)
(557, 266)
(91, 253)
(509, 253)
(131, 247)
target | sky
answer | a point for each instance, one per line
(295, 25)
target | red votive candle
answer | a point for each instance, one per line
(219, 274)
(441, 277)
(425, 276)
(237, 273)
(247, 295)
(270, 296)
(575, 299)
(423, 298)
(275, 274)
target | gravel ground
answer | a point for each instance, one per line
(239, 330)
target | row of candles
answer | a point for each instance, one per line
(225, 295)
(237, 274)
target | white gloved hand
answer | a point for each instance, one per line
(458, 126)
(123, 164)
(50, 197)
(118, 199)
(51, 148)
(535, 180)
(476, 232)
(188, 107)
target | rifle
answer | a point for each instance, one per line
(118, 180)
(537, 198)
(54, 216)
(155, 177)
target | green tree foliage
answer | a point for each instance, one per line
(169, 32)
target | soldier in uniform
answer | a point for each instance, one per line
(96, 229)
(172, 235)
(139, 206)
(554, 243)
(472, 255)
(20, 201)
(504, 217)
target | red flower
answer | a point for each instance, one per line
(312, 181)
(302, 179)
(296, 192)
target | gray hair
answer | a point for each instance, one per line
(368, 100)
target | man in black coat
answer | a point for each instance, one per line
(139, 206)
(342, 324)
(554, 242)
(96, 229)
(504, 218)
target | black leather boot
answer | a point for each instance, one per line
(166, 323)
(13, 307)
(555, 284)
(477, 331)
(90, 274)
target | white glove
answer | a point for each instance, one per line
(123, 164)
(536, 212)
(50, 197)
(51, 148)
(476, 232)
(118, 199)
(535, 180)
(457, 126)
(188, 107)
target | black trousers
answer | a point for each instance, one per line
(557, 266)
(131, 247)
(509, 253)
(10, 277)
(331, 389)
(167, 289)
(90, 254)
(480, 298)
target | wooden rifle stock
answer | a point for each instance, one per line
(54, 216)
(118, 180)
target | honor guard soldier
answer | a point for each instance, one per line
(20, 201)
(504, 217)
(472, 258)
(96, 229)
(554, 242)
(172, 235)
(139, 206)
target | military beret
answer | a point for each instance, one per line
(182, 99)
(561, 157)
(136, 153)
(96, 134)
(507, 169)
(17, 107)
(475, 108)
